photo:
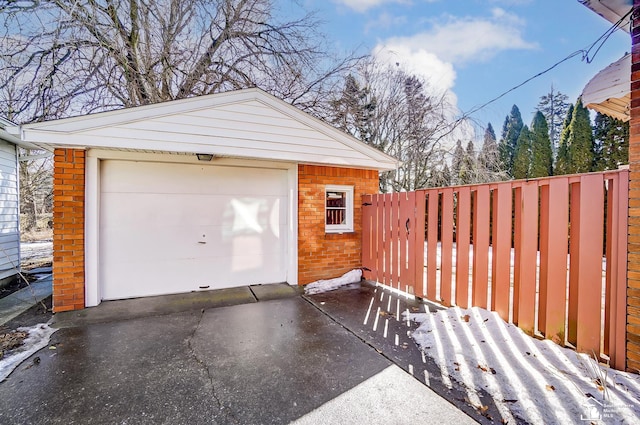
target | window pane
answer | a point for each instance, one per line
(336, 199)
(336, 217)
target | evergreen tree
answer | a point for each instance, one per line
(554, 107)
(612, 142)
(467, 173)
(562, 157)
(510, 133)
(580, 144)
(541, 153)
(353, 111)
(522, 155)
(457, 162)
(489, 157)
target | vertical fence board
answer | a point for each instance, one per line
(407, 224)
(517, 251)
(590, 263)
(447, 246)
(379, 199)
(463, 223)
(387, 239)
(501, 250)
(481, 246)
(395, 240)
(418, 240)
(553, 255)
(544, 256)
(617, 261)
(528, 258)
(432, 244)
(574, 248)
(368, 236)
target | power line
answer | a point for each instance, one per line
(583, 52)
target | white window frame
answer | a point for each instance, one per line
(348, 226)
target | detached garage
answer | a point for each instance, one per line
(212, 192)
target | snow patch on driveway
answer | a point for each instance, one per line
(321, 286)
(534, 380)
(38, 338)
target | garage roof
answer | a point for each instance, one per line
(247, 123)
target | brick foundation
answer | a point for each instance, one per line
(327, 255)
(68, 229)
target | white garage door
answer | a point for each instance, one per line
(170, 228)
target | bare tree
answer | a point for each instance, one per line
(401, 115)
(61, 57)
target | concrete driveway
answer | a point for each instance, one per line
(194, 362)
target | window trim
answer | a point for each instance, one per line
(348, 226)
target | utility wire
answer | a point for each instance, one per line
(583, 52)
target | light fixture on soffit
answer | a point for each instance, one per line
(204, 156)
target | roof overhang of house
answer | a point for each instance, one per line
(247, 123)
(609, 91)
(612, 11)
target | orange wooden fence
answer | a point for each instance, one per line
(548, 255)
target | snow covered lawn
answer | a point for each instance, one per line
(531, 380)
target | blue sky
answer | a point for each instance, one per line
(477, 49)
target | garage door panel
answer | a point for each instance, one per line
(170, 228)
(153, 210)
(146, 177)
(183, 242)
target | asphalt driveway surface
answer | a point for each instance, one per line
(269, 362)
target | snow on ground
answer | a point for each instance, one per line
(38, 338)
(532, 380)
(30, 251)
(320, 286)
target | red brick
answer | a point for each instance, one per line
(68, 229)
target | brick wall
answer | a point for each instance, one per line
(68, 229)
(327, 255)
(633, 277)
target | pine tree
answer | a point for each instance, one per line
(467, 174)
(554, 107)
(457, 162)
(489, 157)
(353, 111)
(522, 155)
(510, 133)
(541, 153)
(562, 157)
(580, 144)
(612, 141)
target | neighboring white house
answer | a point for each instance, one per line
(9, 203)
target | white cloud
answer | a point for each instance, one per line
(439, 74)
(364, 5)
(385, 21)
(461, 40)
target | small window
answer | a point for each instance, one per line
(338, 209)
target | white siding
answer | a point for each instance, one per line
(9, 230)
(242, 124)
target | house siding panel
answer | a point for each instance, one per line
(324, 255)
(633, 269)
(9, 230)
(68, 229)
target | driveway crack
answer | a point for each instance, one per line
(225, 410)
